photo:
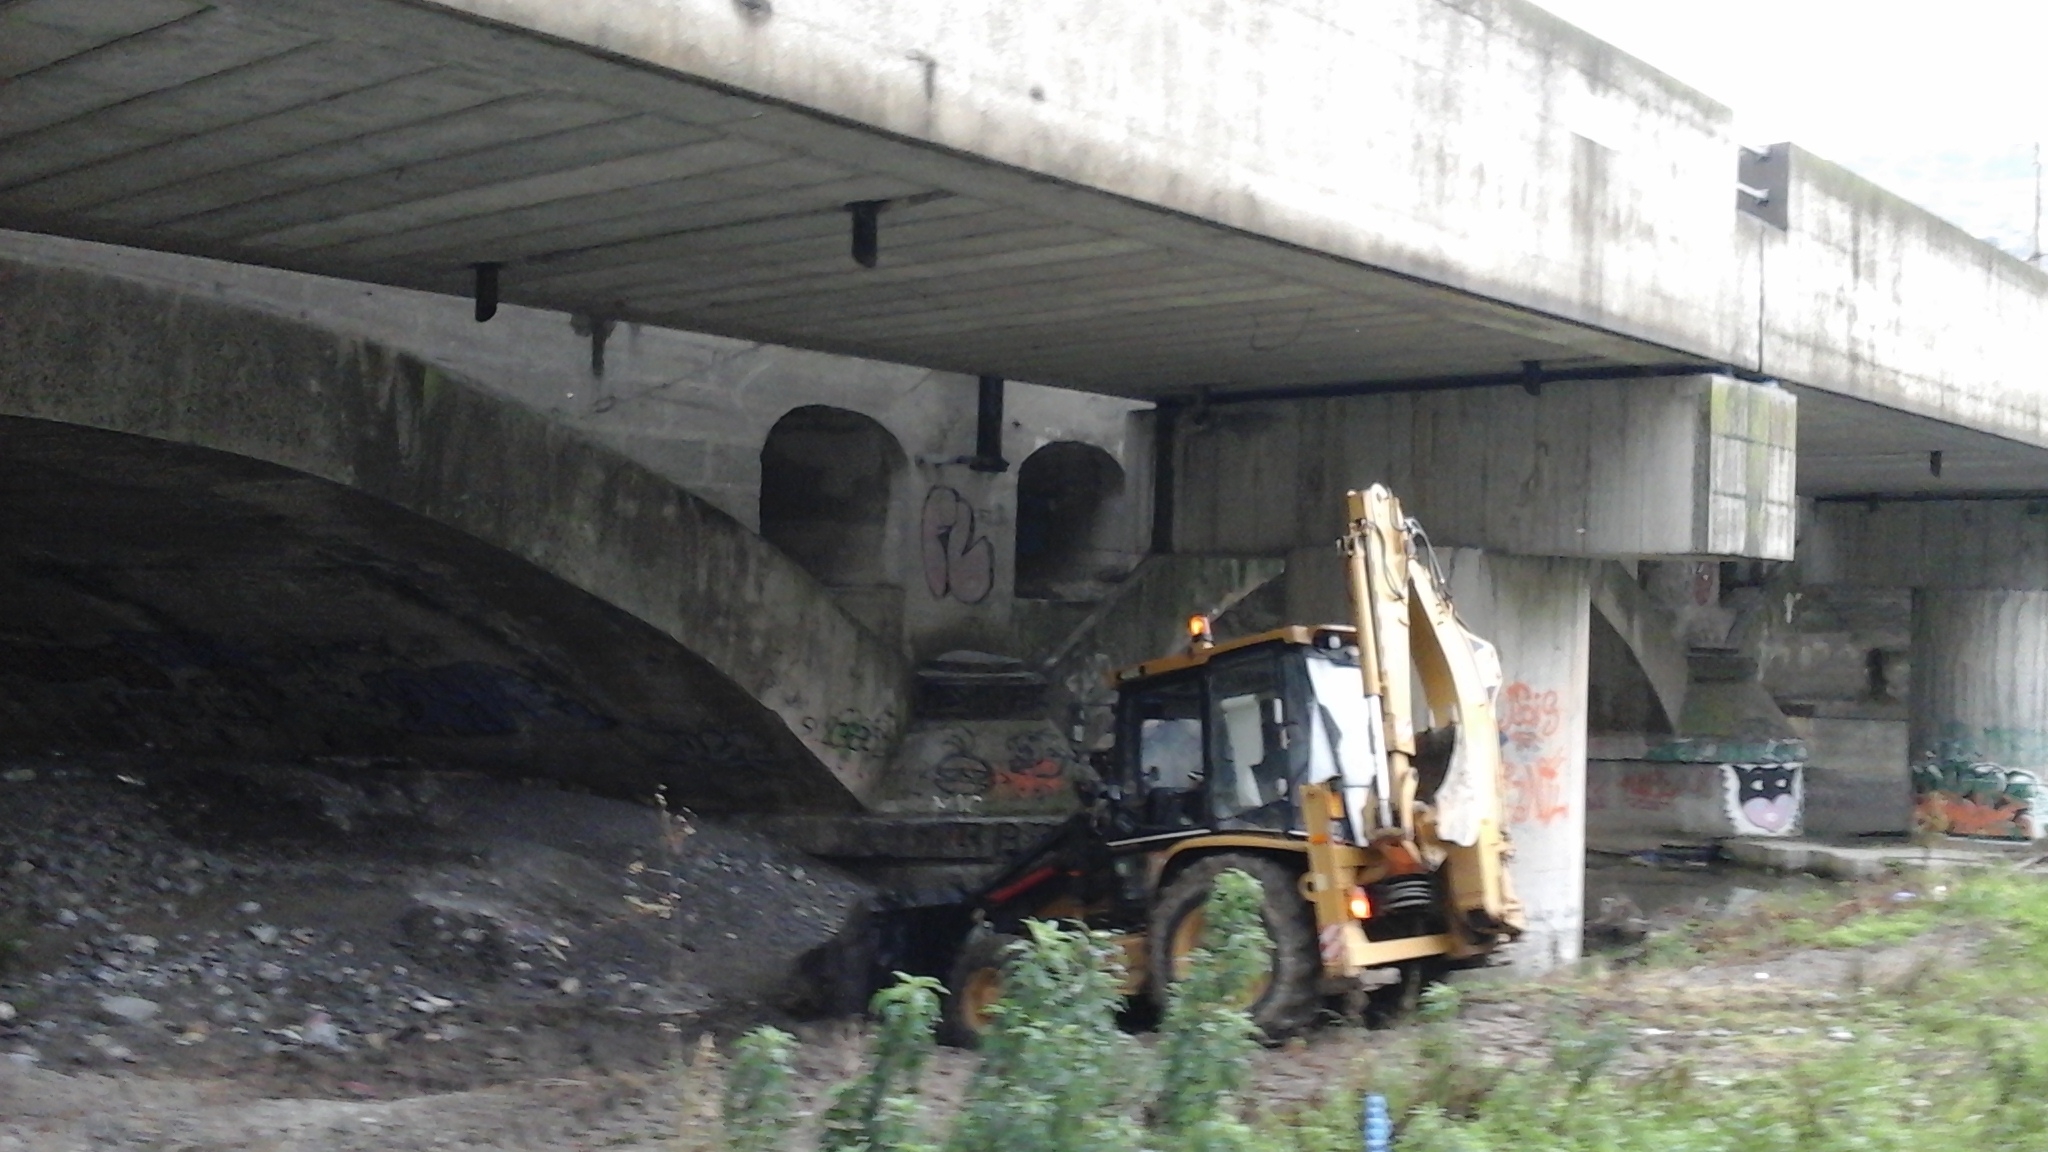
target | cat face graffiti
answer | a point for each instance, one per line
(1765, 796)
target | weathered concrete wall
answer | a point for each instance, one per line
(697, 410)
(1633, 804)
(1856, 777)
(85, 349)
(1870, 296)
(1536, 612)
(1605, 197)
(1980, 711)
(1981, 544)
(1698, 465)
(1648, 631)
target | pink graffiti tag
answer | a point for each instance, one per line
(957, 562)
(1537, 786)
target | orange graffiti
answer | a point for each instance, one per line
(1968, 816)
(1033, 781)
(1650, 791)
(1538, 787)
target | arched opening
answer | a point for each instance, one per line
(1064, 492)
(202, 610)
(826, 475)
(1619, 695)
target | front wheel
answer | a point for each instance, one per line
(975, 985)
(1285, 1001)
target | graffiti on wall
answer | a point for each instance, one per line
(1650, 789)
(1534, 756)
(1764, 799)
(1958, 790)
(1035, 767)
(852, 731)
(990, 766)
(959, 564)
(726, 752)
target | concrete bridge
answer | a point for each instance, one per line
(1458, 246)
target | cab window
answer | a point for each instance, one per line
(1163, 722)
(1254, 742)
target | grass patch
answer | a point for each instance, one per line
(1954, 1042)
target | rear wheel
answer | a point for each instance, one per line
(1389, 1004)
(975, 986)
(1287, 999)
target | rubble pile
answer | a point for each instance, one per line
(378, 931)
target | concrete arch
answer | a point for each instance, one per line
(833, 485)
(828, 480)
(1644, 631)
(1064, 495)
(107, 354)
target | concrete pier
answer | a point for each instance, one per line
(1979, 696)
(1980, 711)
(1535, 611)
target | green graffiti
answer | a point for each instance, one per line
(1958, 793)
(1717, 750)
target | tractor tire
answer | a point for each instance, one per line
(1291, 997)
(1390, 1004)
(975, 983)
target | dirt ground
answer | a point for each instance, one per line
(207, 957)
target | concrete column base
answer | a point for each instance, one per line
(1535, 610)
(1980, 712)
(1640, 803)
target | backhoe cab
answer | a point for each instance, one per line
(1371, 814)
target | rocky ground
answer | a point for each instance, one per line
(279, 930)
(260, 957)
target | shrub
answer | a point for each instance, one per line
(1056, 1075)
(757, 1108)
(878, 1111)
(1206, 1040)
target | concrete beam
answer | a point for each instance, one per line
(1604, 200)
(1951, 544)
(1867, 295)
(1692, 466)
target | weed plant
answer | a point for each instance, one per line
(878, 1111)
(1949, 1048)
(757, 1108)
(1206, 1040)
(1056, 1074)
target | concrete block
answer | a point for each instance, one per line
(1629, 802)
(1678, 467)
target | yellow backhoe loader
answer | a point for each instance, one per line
(1371, 815)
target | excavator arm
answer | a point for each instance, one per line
(1408, 636)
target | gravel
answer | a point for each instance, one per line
(443, 932)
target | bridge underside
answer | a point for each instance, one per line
(403, 143)
(186, 604)
(400, 144)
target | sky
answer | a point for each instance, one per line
(1942, 103)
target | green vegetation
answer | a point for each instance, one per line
(1939, 1043)
(1921, 1022)
(1205, 1043)
(1056, 1075)
(878, 1111)
(757, 1108)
